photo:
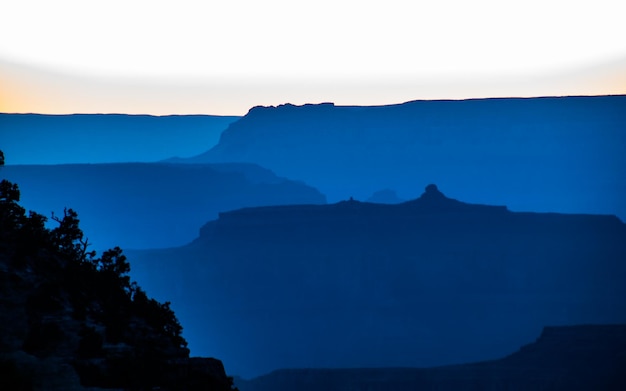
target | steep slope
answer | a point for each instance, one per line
(531, 154)
(70, 320)
(145, 205)
(106, 138)
(432, 281)
(588, 357)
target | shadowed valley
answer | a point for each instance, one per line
(431, 281)
(588, 357)
(293, 293)
(151, 205)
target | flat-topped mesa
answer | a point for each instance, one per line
(431, 204)
(432, 209)
(430, 264)
(351, 151)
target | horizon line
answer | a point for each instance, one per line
(317, 104)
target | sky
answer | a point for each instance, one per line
(210, 57)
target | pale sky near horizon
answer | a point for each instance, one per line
(158, 57)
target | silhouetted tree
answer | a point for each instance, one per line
(98, 290)
(9, 198)
(113, 262)
(68, 237)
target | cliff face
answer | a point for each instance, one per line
(72, 321)
(509, 150)
(432, 281)
(587, 357)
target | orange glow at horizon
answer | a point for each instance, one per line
(12, 98)
(28, 89)
(225, 57)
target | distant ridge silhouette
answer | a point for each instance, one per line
(105, 138)
(532, 154)
(433, 200)
(148, 205)
(431, 281)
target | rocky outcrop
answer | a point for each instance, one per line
(587, 357)
(72, 321)
(45, 345)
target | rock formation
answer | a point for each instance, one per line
(427, 282)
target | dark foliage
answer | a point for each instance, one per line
(90, 345)
(43, 339)
(13, 378)
(98, 287)
(85, 307)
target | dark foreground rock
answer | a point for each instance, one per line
(587, 357)
(72, 321)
